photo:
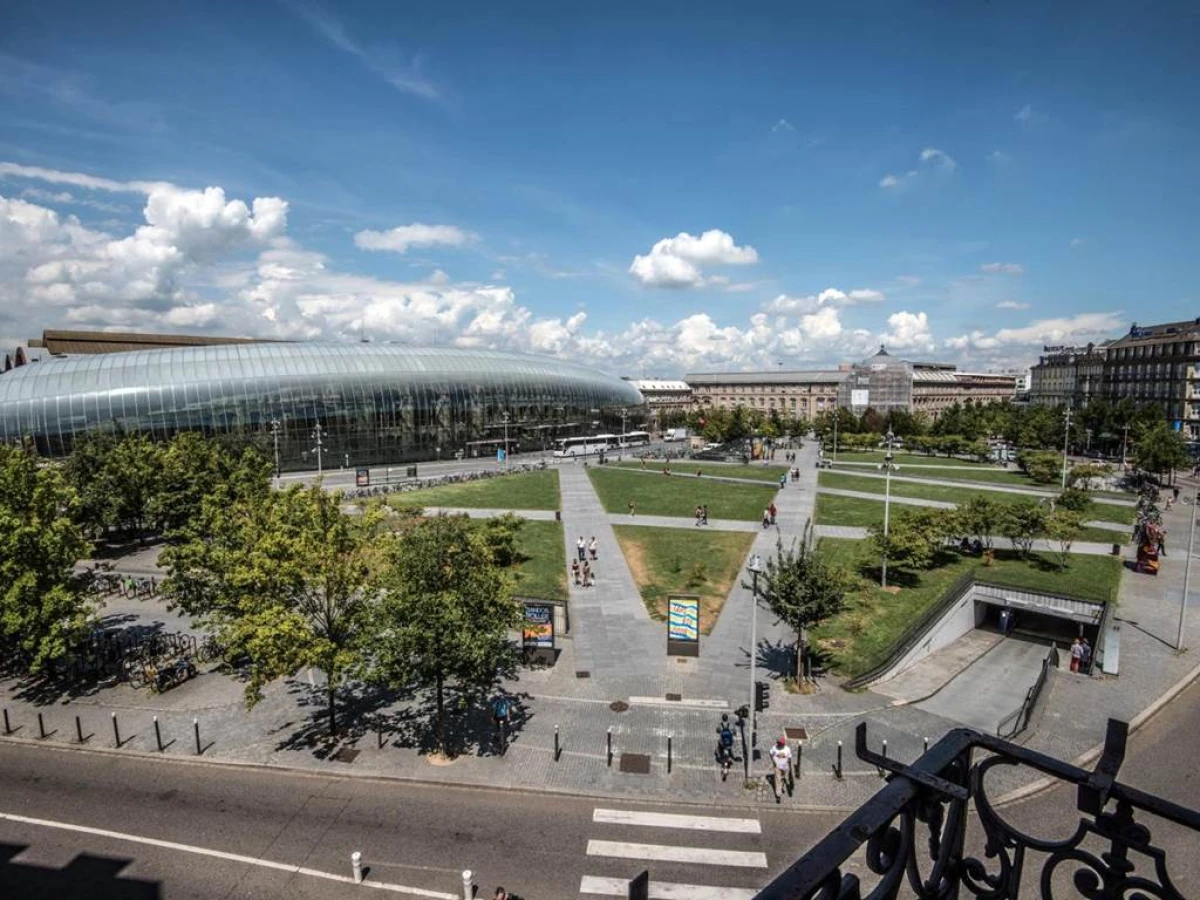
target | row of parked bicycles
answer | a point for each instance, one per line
(417, 484)
(105, 584)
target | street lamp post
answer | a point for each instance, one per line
(275, 438)
(318, 448)
(888, 467)
(835, 425)
(506, 418)
(1124, 446)
(1066, 438)
(755, 568)
(624, 416)
(1187, 575)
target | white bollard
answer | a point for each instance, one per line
(356, 866)
(468, 888)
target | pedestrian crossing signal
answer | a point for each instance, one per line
(762, 696)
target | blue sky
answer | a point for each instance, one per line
(650, 187)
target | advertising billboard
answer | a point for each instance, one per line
(537, 632)
(362, 478)
(683, 618)
(859, 397)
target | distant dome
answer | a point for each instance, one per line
(881, 358)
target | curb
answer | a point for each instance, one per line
(1088, 756)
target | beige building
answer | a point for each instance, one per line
(1067, 376)
(792, 393)
(1158, 364)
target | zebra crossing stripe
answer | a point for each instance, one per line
(663, 890)
(671, 820)
(663, 853)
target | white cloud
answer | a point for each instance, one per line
(439, 277)
(77, 179)
(1075, 329)
(908, 280)
(931, 160)
(998, 157)
(822, 325)
(787, 305)
(399, 239)
(676, 262)
(939, 158)
(909, 331)
(782, 125)
(889, 181)
(1012, 304)
(999, 268)
(1024, 114)
(1078, 242)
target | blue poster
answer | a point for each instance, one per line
(683, 618)
(499, 454)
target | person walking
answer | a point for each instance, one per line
(632, 507)
(771, 509)
(697, 515)
(579, 548)
(766, 522)
(575, 572)
(781, 759)
(783, 481)
(587, 575)
(1076, 654)
(592, 548)
(704, 514)
(1085, 656)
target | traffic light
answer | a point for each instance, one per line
(762, 696)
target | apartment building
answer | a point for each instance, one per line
(1068, 376)
(1158, 364)
(792, 393)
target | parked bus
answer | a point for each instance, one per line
(637, 438)
(586, 446)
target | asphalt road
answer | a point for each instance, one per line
(422, 836)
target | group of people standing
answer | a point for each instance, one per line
(586, 553)
(768, 517)
(1081, 655)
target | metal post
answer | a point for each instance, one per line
(379, 738)
(799, 757)
(837, 770)
(7, 726)
(468, 888)
(1066, 437)
(835, 425)
(275, 436)
(556, 748)
(1124, 447)
(157, 734)
(79, 729)
(116, 730)
(610, 746)
(317, 435)
(1187, 575)
(926, 745)
(883, 772)
(196, 729)
(887, 501)
(356, 866)
(753, 648)
(669, 740)
(506, 418)
(41, 727)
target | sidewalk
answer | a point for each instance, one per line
(980, 486)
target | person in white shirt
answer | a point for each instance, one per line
(781, 759)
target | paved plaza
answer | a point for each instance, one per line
(614, 681)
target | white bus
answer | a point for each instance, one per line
(637, 438)
(585, 446)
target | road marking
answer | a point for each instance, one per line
(663, 890)
(221, 854)
(671, 820)
(662, 853)
(680, 704)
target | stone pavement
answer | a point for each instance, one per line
(676, 522)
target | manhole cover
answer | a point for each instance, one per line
(583, 673)
(675, 697)
(796, 734)
(346, 755)
(635, 763)
(618, 706)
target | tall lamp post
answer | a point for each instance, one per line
(1124, 446)
(755, 568)
(506, 418)
(624, 417)
(318, 448)
(835, 425)
(275, 438)
(1187, 575)
(889, 466)
(1066, 438)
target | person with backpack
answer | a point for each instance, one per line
(725, 745)
(501, 718)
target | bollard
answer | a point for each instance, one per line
(670, 739)
(926, 745)
(882, 771)
(356, 866)
(116, 731)
(610, 746)
(799, 757)
(41, 727)
(379, 734)
(556, 743)
(79, 729)
(837, 770)
(157, 735)
(196, 728)
(468, 888)
(7, 727)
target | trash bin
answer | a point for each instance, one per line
(1116, 551)
(558, 515)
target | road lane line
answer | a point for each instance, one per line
(672, 820)
(663, 853)
(663, 890)
(221, 854)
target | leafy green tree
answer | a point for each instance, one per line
(904, 424)
(280, 578)
(132, 472)
(802, 589)
(1023, 523)
(1084, 475)
(979, 449)
(501, 533)
(43, 612)
(86, 470)
(1075, 500)
(1062, 528)
(445, 612)
(981, 517)
(190, 469)
(1161, 450)
(913, 539)
(1043, 466)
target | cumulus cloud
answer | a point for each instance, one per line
(785, 304)
(676, 262)
(909, 331)
(999, 268)
(1064, 330)
(399, 239)
(931, 160)
(1012, 304)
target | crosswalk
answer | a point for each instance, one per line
(697, 847)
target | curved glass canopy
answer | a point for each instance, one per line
(373, 402)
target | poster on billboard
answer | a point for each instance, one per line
(683, 617)
(860, 398)
(362, 478)
(538, 630)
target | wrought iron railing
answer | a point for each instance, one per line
(1108, 855)
(1018, 720)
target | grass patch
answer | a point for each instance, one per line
(859, 637)
(682, 561)
(527, 490)
(959, 473)
(1105, 512)
(728, 470)
(659, 495)
(912, 459)
(542, 572)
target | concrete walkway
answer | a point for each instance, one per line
(903, 501)
(676, 522)
(992, 687)
(932, 673)
(980, 486)
(679, 470)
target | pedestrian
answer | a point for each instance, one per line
(1176, 492)
(771, 510)
(1004, 614)
(781, 757)
(587, 575)
(766, 522)
(632, 507)
(1162, 542)
(1076, 654)
(704, 514)
(782, 481)
(591, 577)
(579, 548)
(575, 572)
(592, 549)
(1085, 658)
(697, 515)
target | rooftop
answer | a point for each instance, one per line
(782, 376)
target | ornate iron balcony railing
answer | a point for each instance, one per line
(1109, 855)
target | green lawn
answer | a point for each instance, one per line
(912, 459)
(860, 637)
(834, 510)
(757, 472)
(959, 473)
(528, 490)
(684, 561)
(661, 495)
(543, 572)
(1105, 512)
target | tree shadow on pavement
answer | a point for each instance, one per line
(358, 709)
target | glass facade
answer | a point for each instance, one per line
(373, 402)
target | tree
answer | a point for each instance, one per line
(802, 589)
(500, 533)
(1023, 523)
(43, 612)
(1044, 467)
(85, 471)
(280, 578)
(1075, 500)
(981, 516)
(1161, 450)
(1063, 527)
(445, 612)
(913, 539)
(1085, 475)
